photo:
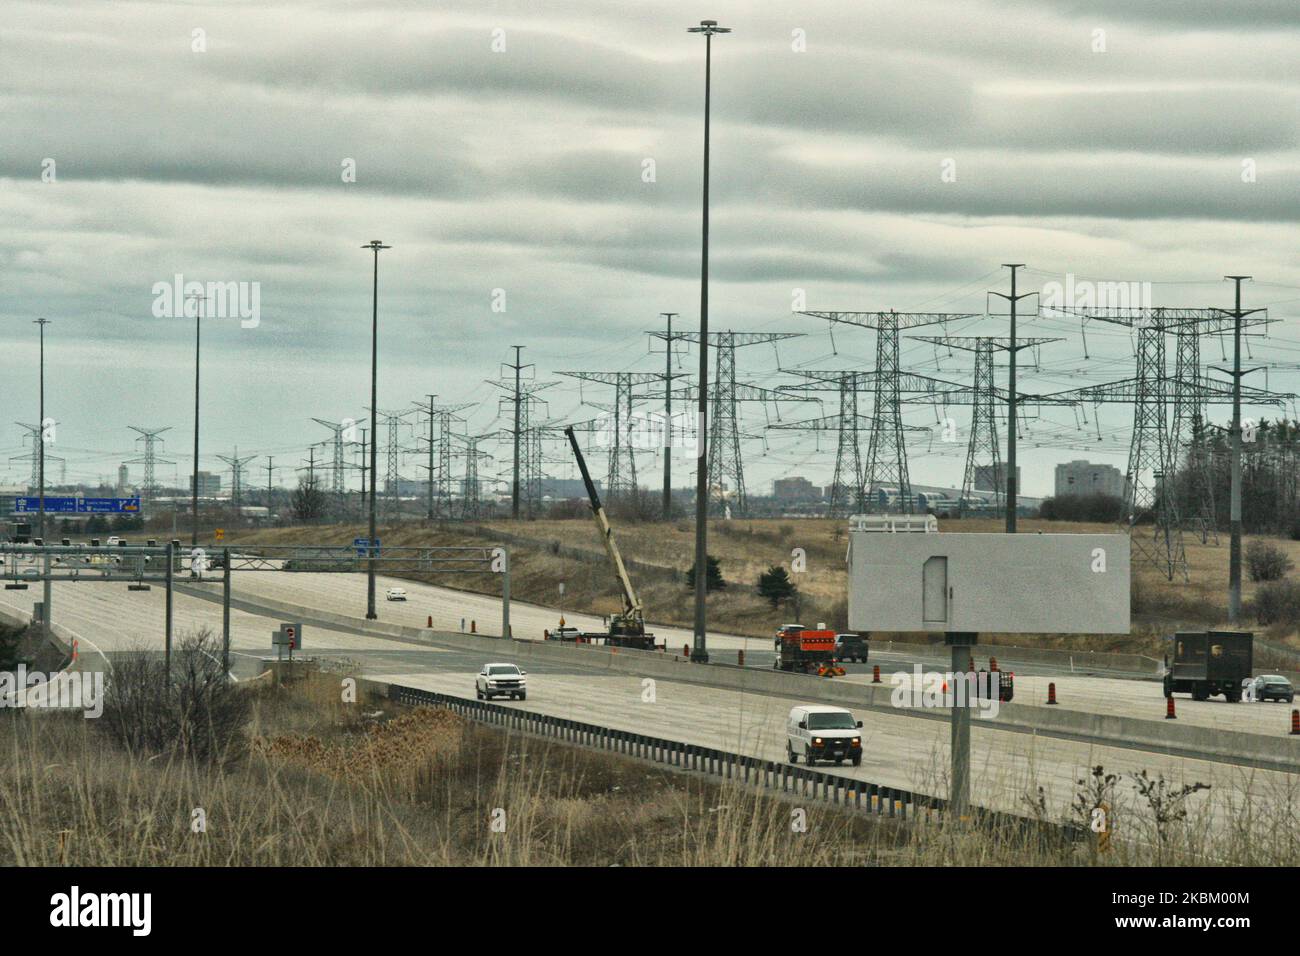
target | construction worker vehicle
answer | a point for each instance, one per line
(626, 628)
(807, 650)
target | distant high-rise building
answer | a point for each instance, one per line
(987, 478)
(795, 488)
(123, 477)
(209, 484)
(1085, 478)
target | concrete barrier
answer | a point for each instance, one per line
(1279, 753)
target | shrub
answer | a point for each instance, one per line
(713, 580)
(775, 585)
(199, 713)
(1278, 602)
(1266, 562)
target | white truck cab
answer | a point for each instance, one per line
(819, 732)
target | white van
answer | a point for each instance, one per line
(817, 732)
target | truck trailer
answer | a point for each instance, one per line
(1207, 663)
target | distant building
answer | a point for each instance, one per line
(1085, 478)
(209, 484)
(987, 478)
(567, 487)
(123, 477)
(795, 488)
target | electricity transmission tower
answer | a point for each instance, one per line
(149, 487)
(336, 484)
(886, 462)
(522, 403)
(393, 421)
(848, 494)
(983, 448)
(438, 447)
(237, 465)
(37, 434)
(724, 457)
(471, 506)
(1153, 457)
(622, 432)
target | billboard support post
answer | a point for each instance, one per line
(225, 613)
(959, 786)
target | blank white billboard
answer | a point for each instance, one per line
(1007, 583)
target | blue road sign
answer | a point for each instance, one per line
(361, 543)
(31, 504)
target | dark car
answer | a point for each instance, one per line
(851, 647)
(1274, 687)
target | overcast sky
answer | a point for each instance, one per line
(546, 154)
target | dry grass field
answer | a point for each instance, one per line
(745, 548)
(314, 781)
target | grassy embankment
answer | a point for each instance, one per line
(313, 781)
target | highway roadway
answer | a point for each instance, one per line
(903, 751)
(346, 594)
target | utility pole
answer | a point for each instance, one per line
(42, 323)
(699, 652)
(270, 467)
(668, 417)
(1234, 517)
(1013, 399)
(514, 485)
(429, 514)
(374, 245)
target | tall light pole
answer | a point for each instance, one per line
(40, 454)
(700, 652)
(194, 490)
(375, 245)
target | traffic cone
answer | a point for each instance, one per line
(686, 650)
(1051, 693)
(472, 628)
(1169, 709)
(993, 663)
(1295, 722)
(875, 674)
(740, 657)
(429, 623)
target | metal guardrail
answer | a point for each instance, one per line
(845, 792)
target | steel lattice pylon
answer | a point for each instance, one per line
(620, 478)
(983, 446)
(1153, 447)
(886, 461)
(336, 485)
(236, 475)
(37, 434)
(471, 506)
(149, 487)
(724, 460)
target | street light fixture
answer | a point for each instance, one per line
(700, 652)
(374, 245)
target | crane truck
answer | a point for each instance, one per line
(627, 628)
